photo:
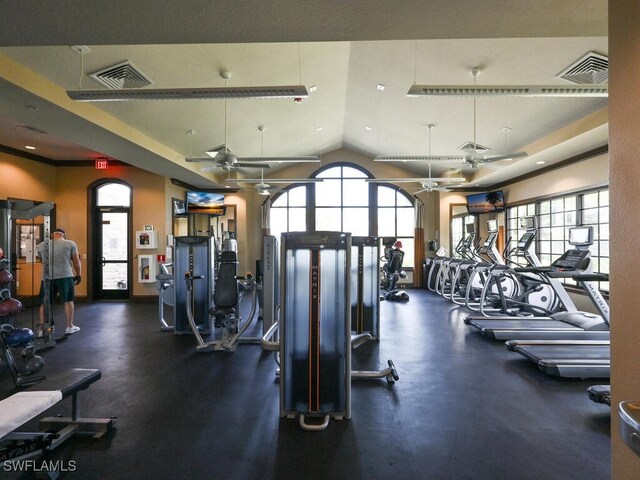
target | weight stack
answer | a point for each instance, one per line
(315, 336)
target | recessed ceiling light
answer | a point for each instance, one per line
(318, 129)
(540, 162)
(367, 128)
(380, 87)
(29, 147)
(313, 88)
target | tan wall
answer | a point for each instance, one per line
(148, 201)
(593, 172)
(20, 178)
(624, 109)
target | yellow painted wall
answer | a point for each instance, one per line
(149, 201)
(20, 178)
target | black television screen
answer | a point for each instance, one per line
(205, 202)
(485, 202)
(179, 207)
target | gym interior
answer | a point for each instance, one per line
(244, 310)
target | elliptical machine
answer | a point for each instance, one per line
(391, 270)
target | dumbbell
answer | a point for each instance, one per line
(19, 337)
(5, 278)
(8, 305)
(4, 264)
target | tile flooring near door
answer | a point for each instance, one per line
(464, 407)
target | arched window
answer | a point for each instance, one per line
(113, 195)
(345, 202)
(342, 201)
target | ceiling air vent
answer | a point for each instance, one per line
(213, 151)
(592, 68)
(122, 75)
(473, 147)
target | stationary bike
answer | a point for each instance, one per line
(391, 272)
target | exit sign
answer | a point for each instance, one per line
(102, 164)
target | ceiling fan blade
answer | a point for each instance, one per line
(199, 159)
(421, 190)
(251, 165)
(416, 180)
(129, 94)
(274, 180)
(300, 159)
(497, 158)
(423, 158)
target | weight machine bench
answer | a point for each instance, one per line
(26, 405)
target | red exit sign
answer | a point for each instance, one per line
(102, 164)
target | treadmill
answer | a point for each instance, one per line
(566, 325)
(572, 358)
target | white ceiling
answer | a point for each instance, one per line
(343, 48)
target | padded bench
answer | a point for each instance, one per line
(24, 406)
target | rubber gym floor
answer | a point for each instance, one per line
(464, 407)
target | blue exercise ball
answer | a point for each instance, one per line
(19, 337)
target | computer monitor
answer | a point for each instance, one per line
(528, 223)
(581, 235)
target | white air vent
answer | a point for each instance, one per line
(123, 75)
(213, 151)
(592, 68)
(473, 147)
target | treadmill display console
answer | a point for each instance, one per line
(524, 241)
(570, 260)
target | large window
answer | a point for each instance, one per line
(344, 201)
(555, 216)
(395, 219)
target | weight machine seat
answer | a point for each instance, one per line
(70, 381)
(396, 258)
(226, 294)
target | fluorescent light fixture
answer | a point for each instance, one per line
(132, 94)
(318, 129)
(540, 162)
(367, 128)
(313, 88)
(380, 87)
(417, 180)
(509, 90)
(29, 147)
(434, 158)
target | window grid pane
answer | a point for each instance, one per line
(555, 216)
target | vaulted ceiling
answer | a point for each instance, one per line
(343, 49)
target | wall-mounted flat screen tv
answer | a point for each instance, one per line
(485, 202)
(205, 202)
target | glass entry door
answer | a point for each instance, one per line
(111, 232)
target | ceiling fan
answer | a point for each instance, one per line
(224, 158)
(474, 155)
(266, 188)
(429, 184)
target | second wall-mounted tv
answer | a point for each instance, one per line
(205, 202)
(485, 202)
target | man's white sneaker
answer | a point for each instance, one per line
(71, 330)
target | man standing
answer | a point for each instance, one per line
(65, 261)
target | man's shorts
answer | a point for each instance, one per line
(65, 287)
